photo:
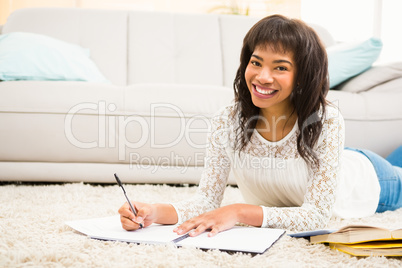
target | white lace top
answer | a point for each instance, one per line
(274, 176)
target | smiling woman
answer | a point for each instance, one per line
(280, 117)
(261, 126)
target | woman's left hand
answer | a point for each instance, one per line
(217, 220)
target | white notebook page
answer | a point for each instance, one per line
(246, 239)
(238, 238)
(109, 228)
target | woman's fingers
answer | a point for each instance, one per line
(145, 215)
(128, 220)
(199, 230)
(214, 231)
(194, 226)
(186, 226)
(128, 224)
(216, 221)
(126, 212)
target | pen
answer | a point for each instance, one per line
(128, 200)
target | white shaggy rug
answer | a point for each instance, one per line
(33, 233)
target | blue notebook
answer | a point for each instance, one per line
(311, 233)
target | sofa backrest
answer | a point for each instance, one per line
(233, 30)
(131, 47)
(103, 32)
(174, 48)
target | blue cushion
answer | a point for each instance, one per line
(29, 56)
(346, 61)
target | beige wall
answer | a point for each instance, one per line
(258, 8)
(4, 10)
(8, 6)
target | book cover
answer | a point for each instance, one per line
(377, 248)
(357, 234)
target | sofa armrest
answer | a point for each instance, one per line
(374, 77)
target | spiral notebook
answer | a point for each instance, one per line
(238, 239)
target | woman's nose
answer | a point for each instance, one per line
(265, 76)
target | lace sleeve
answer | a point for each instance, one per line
(214, 178)
(319, 198)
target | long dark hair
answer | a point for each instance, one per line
(287, 35)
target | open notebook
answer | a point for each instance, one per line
(242, 239)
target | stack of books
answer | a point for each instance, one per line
(359, 240)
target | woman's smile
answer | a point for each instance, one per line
(263, 92)
(270, 77)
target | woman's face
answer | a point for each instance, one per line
(270, 78)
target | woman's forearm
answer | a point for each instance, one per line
(249, 214)
(166, 214)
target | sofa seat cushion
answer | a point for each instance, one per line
(369, 105)
(57, 96)
(168, 124)
(142, 125)
(62, 96)
(49, 121)
(373, 120)
(186, 99)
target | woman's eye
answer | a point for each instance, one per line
(255, 63)
(281, 68)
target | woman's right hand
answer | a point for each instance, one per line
(146, 214)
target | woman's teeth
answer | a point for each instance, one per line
(264, 91)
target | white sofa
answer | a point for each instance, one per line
(169, 74)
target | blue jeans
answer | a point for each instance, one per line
(389, 173)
